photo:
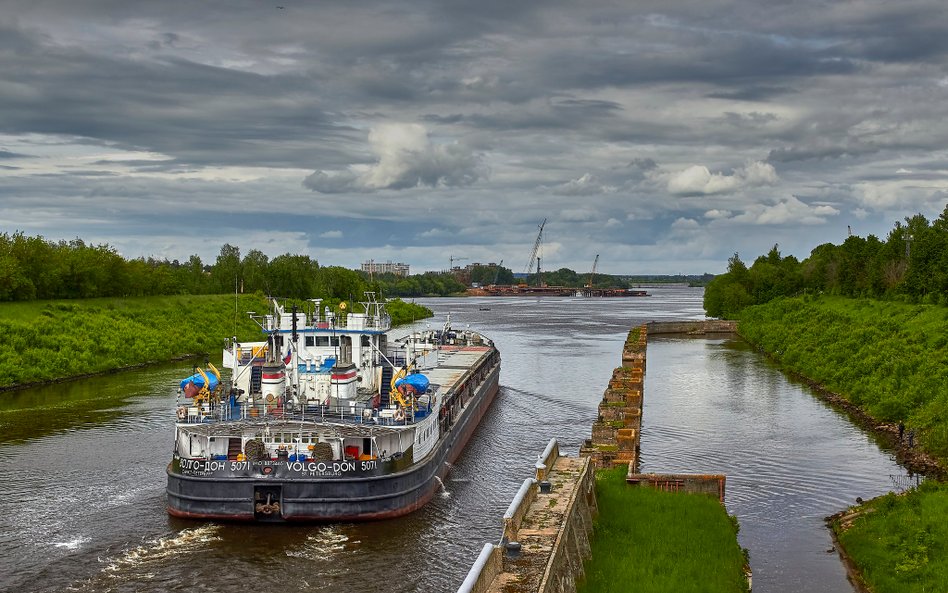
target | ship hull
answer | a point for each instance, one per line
(331, 499)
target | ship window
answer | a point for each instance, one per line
(365, 341)
(322, 340)
(310, 341)
(334, 341)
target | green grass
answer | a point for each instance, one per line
(632, 340)
(890, 359)
(650, 541)
(48, 340)
(899, 545)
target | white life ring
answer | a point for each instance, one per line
(400, 415)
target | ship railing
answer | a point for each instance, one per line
(352, 413)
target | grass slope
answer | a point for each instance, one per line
(890, 359)
(650, 541)
(898, 543)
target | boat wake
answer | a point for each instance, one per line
(73, 544)
(523, 401)
(139, 562)
(323, 545)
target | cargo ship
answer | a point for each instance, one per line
(327, 419)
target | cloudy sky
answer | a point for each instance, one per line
(662, 135)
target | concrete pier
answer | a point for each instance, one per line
(546, 531)
(616, 431)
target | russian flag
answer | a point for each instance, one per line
(289, 355)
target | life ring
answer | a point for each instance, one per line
(400, 415)
(182, 412)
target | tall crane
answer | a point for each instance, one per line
(592, 274)
(534, 255)
(453, 259)
(497, 273)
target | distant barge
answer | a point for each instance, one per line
(560, 291)
(327, 420)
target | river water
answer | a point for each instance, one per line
(82, 465)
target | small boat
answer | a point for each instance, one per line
(328, 419)
(484, 309)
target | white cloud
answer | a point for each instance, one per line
(406, 158)
(717, 214)
(613, 223)
(587, 185)
(331, 235)
(698, 179)
(786, 212)
(577, 215)
(685, 224)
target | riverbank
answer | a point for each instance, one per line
(881, 362)
(50, 341)
(897, 543)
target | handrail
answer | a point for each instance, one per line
(266, 412)
(474, 576)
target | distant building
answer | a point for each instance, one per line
(373, 267)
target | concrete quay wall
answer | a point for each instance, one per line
(546, 531)
(694, 328)
(616, 431)
(712, 484)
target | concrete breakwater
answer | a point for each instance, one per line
(617, 430)
(692, 328)
(546, 531)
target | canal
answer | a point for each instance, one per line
(82, 465)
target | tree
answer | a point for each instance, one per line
(225, 274)
(255, 267)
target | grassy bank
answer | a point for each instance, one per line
(651, 541)
(50, 340)
(889, 359)
(899, 544)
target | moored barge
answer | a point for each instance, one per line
(328, 419)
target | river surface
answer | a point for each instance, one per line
(82, 501)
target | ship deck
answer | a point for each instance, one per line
(445, 375)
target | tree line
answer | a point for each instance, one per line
(34, 268)
(911, 265)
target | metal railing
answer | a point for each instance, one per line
(264, 412)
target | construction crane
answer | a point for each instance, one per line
(497, 273)
(534, 255)
(453, 259)
(592, 274)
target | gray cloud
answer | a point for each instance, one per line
(406, 159)
(632, 123)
